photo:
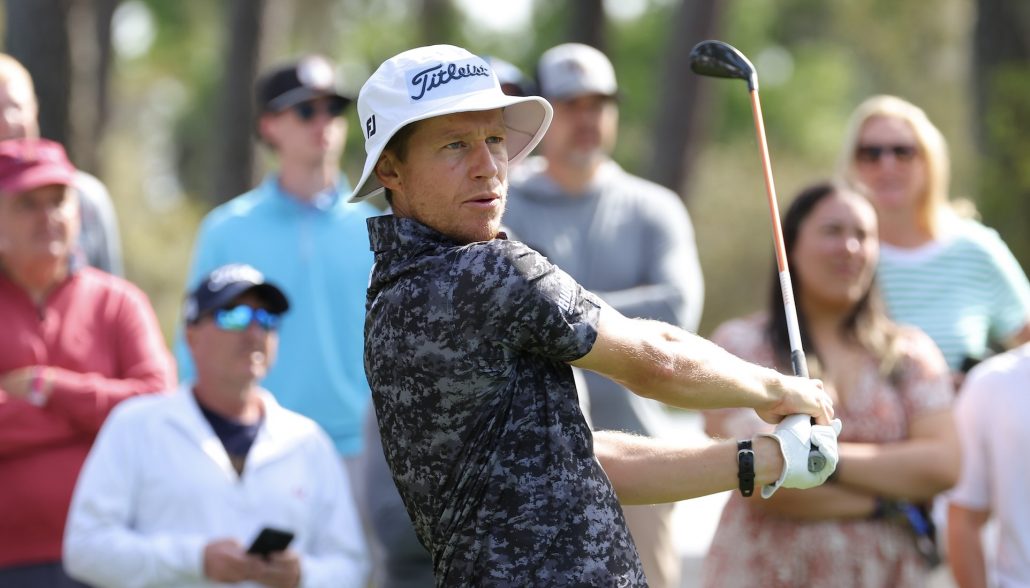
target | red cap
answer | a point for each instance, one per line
(27, 164)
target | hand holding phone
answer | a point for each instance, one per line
(270, 541)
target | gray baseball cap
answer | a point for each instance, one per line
(572, 70)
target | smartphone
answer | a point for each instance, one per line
(270, 541)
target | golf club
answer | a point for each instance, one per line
(721, 60)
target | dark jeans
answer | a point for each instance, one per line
(48, 575)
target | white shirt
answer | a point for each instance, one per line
(158, 486)
(991, 416)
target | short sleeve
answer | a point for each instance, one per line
(745, 338)
(532, 305)
(926, 384)
(973, 488)
(1010, 292)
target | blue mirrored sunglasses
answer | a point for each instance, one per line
(240, 317)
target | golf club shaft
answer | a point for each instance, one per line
(797, 354)
(816, 461)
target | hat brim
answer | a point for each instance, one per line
(303, 94)
(38, 176)
(526, 119)
(271, 295)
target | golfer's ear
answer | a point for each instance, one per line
(388, 171)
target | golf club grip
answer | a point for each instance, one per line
(816, 461)
(797, 361)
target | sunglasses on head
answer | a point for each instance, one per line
(874, 153)
(240, 317)
(308, 110)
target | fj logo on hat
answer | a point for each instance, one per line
(370, 126)
(436, 77)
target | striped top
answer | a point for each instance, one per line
(964, 290)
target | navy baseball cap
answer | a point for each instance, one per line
(225, 284)
(310, 77)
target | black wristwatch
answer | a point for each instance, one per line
(746, 468)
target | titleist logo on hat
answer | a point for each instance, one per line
(438, 78)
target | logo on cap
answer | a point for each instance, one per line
(370, 126)
(436, 77)
(231, 274)
(315, 72)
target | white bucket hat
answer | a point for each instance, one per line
(433, 81)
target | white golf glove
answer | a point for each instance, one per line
(797, 436)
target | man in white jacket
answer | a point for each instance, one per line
(178, 486)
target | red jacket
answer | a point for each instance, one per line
(100, 338)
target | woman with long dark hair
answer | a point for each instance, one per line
(891, 388)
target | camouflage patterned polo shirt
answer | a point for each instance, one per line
(465, 351)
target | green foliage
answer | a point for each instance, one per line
(1004, 198)
(816, 61)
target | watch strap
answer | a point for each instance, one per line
(746, 468)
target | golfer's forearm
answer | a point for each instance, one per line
(650, 471)
(696, 373)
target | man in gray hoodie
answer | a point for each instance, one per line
(626, 239)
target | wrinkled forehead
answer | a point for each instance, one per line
(492, 120)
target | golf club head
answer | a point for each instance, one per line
(721, 60)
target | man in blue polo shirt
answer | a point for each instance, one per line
(298, 230)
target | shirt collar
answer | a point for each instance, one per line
(387, 232)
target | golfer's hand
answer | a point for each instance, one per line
(793, 395)
(796, 436)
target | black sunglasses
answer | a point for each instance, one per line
(873, 153)
(306, 111)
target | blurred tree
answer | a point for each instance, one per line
(437, 23)
(234, 165)
(587, 24)
(90, 40)
(679, 124)
(37, 37)
(1001, 74)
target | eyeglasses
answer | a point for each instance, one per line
(306, 111)
(240, 317)
(874, 153)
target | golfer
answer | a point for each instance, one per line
(469, 340)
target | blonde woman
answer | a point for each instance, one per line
(951, 276)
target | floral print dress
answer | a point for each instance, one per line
(752, 548)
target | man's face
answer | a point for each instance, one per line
(18, 110)
(39, 225)
(455, 175)
(583, 130)
(232, 358)
(310, 132)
